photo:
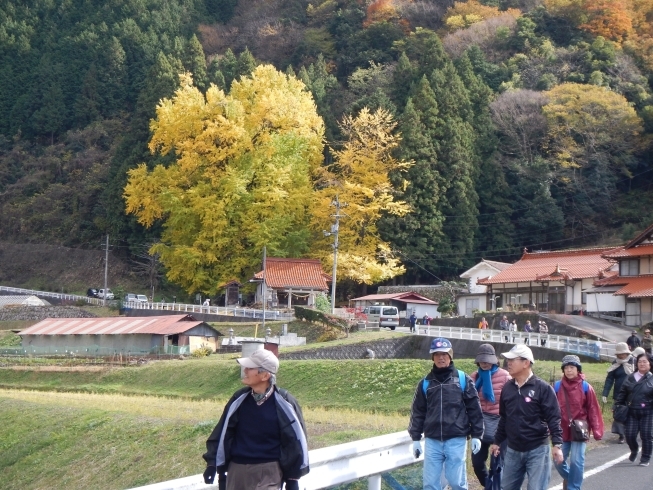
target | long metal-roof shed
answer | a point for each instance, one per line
(143, 334)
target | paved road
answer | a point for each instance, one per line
(602, 328)
(603, 472)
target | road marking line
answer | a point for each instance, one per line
(598, 469)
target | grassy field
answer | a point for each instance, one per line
(115, 428)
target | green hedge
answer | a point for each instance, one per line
(315, 316)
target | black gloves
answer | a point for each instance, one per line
(222, 481)
(292, 485)
(209, 475)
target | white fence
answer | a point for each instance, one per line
(593, 348)
(213, 310)
(47, 294)
(334, 465)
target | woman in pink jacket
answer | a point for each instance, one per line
(489, 380)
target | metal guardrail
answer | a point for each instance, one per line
(48, 294)
(334, 465)
(575, 345)
(212, 310)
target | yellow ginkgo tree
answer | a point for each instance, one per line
(241, 177)
(359, 177)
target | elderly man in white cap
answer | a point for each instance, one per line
(531, 406)
(621, 367)
(260, 440)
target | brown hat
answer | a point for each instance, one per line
(486, 353)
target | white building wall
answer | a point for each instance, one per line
(422, 309)
(604, 302)
(481, 272)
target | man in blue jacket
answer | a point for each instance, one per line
(446, 409)
(529, 414)
(260, 440)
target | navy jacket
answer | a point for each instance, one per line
(446, 411)
(294, 448)
(528, 415)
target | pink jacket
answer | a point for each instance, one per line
(582, 406)
(500, 378)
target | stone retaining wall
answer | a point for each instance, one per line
(38, 313)
(415, 347)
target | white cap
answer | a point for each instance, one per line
(520, 350)
(261, 358)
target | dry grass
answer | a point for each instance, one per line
(325, 427)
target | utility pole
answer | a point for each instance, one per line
(334, 232)
(264, 287)
(106, 271)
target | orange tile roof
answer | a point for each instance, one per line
(294, 273)
(633, 287)
(551, 266)
(162, 325)
(636, 251)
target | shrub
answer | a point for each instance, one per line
(203, 351)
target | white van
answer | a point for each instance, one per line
(384, 316)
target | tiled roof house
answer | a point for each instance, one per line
(292, 281)
(548, 281)
(629, 292)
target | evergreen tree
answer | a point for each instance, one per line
(246, 64)
(229, 67)
(495, 230)
(457, 165)
(88, 104)
(114, 78)
(195, 62)
(418, 235)
(403, 78)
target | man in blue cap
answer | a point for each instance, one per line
(446, 409)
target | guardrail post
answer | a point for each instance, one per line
(374, 482)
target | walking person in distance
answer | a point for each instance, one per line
(621, 367)
(637, 394)
(260, 440)
(579, 409)
(489, 380)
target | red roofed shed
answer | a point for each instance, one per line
(292, 281)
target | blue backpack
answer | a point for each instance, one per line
(586, 386)
(461, 379)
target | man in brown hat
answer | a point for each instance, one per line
(260, 440)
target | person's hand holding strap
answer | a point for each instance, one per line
(476, 445)
(417, 449)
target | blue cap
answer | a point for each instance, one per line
(441, 344)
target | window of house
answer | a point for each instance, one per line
(629, 267)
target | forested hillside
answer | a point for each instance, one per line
(528, 123)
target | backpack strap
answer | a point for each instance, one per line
(586, 386)
(462, 379)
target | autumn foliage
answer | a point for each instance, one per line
(380, 11)
(465, 14)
